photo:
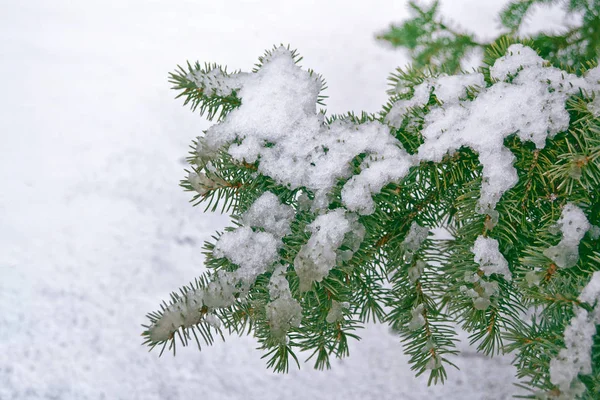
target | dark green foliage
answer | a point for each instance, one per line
(429, 40)
(434, 42)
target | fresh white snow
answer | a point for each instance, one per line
(278, 123)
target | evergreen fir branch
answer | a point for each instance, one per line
(534, 345)
(320, 338)
(429, 40)
(368, 294)
(200, 97)
(374, 271)
(280, 358)
(427, 345)
(514, 13)
(432, 42)
(200, 330)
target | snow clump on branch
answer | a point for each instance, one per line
(575, 358)
(252, 251)
(573, 225)
(319, 255)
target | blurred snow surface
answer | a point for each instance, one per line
(94, 230)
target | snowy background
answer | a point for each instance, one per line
(94, 230)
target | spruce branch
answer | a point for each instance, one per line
(331, 214)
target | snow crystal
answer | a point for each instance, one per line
(187, 311)
(446, 88)
(175, 316)
(318, 256)
(213, 321)
(489, 258)
(353, 238)
(336, 311)
(469, 291)
(591, 295)
(489, 288)
(481, 303)
(573, 224)
(277, 124)
(592, 76)
(283, 311)
(204, 153)
(594, 232)
(471, 277)
(400, 108)
(434, 363)
(278, 284)
(481, 297)
(304, 202)
(267, 212)
(517, 58)
(575, 166)
(492, 219)
(388, 164)
(414, 239)
(533, 278)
